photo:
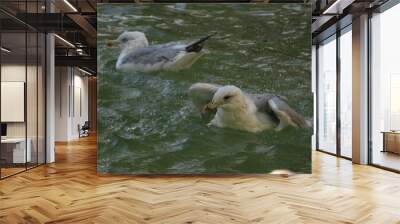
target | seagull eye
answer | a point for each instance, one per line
(124, 40)
(227, 97)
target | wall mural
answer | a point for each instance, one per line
(204, 88)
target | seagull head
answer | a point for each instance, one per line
(226, 97)
(130, 40)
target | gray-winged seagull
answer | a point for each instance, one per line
(248, 112)
(137, 55)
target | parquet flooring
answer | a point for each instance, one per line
(70, 191)
(10, 171)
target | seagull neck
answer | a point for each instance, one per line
(249, 104)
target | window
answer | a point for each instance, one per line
(327, 95)
(22, 77)
(346, 92)
(385, 89)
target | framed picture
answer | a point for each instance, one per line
(204, 88)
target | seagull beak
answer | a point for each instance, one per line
(111, 43)
(205, 110)
(208, 107)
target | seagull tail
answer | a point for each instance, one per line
(198, 45)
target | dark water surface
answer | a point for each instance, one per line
(147, 123)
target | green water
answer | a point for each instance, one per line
(147, 123)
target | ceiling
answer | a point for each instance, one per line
(332, 15)
(74, 21)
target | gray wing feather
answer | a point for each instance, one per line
(261, 101)
(278, 108)
(154, 54)
(202, 94)
(286, 114)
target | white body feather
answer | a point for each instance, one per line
(130, 42)
(243, 116)
(248, 112)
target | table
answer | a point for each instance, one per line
(391, 141)
(16, 147)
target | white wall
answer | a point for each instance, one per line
(33, 126)
(62, 81)
(12, 72)
(80, 109)
(71, 94)
(16, 73)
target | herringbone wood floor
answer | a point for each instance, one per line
(70, 191)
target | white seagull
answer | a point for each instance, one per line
(248, 112)
(137, 55)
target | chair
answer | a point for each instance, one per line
(84, 130)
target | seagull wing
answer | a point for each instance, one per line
(202, 94)
(163, 56)
(278, 108)
(154, 55)
(197, 45)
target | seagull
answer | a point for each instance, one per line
(236, 109)
(137, 55)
